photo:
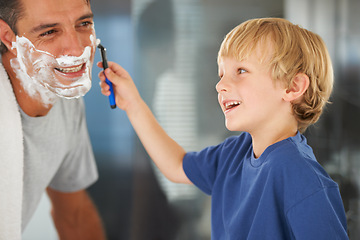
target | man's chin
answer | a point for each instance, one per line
(71, 92)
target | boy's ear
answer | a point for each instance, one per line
(297, 88)
(7, 36)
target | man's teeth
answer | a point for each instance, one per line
(229, 105)
(70, 70)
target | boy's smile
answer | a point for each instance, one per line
(247, 94)
(230, 105)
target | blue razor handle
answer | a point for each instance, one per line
(105, 66)
(112, 96)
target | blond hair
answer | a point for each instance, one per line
(295, 50)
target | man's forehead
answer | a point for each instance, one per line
(52, 8)
(52, 12)
(33, 1)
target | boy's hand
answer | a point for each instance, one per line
(125, 91)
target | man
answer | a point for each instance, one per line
(48, 48)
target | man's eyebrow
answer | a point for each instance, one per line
(50, 25)
(86, 16)
(43, 26)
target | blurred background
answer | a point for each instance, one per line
(170, 49)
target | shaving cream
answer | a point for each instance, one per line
(43, 75)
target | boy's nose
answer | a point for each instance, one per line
(220, 86)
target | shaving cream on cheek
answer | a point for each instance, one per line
(42, 75)
(33, 88)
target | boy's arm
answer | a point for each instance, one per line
(163, 150)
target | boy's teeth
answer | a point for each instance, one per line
(231, 104)
(70, 70)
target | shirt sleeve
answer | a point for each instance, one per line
(78, 170)
(319, 216)
(193, 163)
(202, 167)
(206, 167)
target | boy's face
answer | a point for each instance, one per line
(247, 94)
(56, 45)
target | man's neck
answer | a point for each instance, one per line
(32, 106)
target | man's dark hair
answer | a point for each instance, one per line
(10, 12)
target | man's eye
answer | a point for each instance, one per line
(86, 23)
(47, 33)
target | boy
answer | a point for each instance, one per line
(275, 79)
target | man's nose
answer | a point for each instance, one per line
(72, 44)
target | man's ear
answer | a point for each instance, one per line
(299, 85)
(7, 36)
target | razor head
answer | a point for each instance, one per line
(97, 42)
(103, 55)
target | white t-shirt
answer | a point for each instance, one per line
(57, 153)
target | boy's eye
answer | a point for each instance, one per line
(241, 71)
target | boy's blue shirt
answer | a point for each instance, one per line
(283, 194)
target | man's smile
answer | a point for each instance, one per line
(71, 69)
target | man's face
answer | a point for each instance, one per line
(55, 46)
